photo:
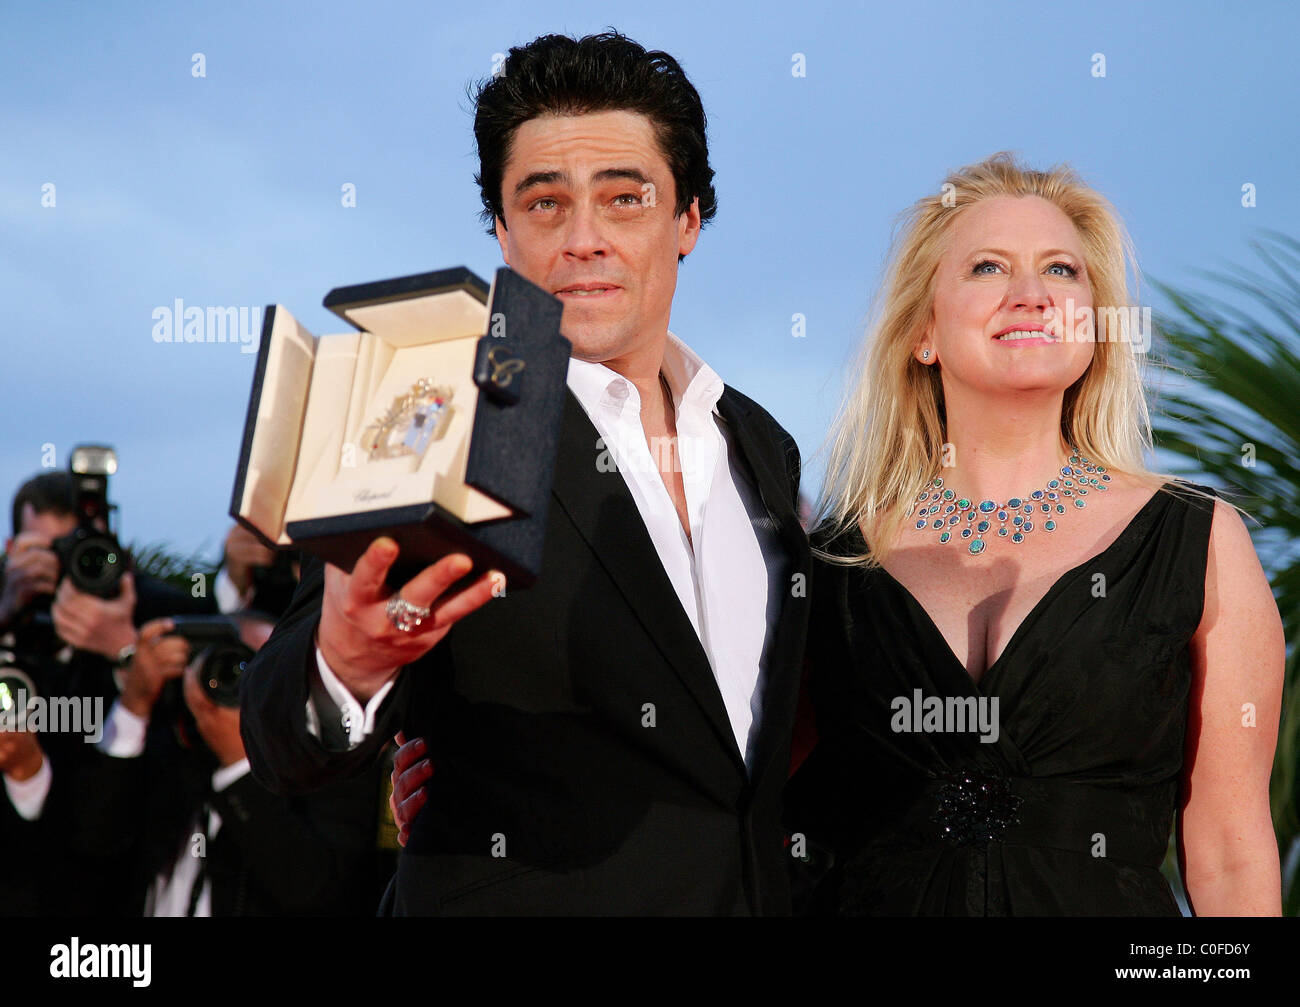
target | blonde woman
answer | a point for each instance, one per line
(1029, 654)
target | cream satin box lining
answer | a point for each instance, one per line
(304, 464)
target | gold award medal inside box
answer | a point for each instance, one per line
(414, 362)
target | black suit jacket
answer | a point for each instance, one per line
(25, 846)
(76, 878)
(312, 854)
(584, 759)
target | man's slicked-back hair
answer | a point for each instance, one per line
(559, 75)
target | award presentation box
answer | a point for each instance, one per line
(435, 423)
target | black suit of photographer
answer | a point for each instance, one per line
(26, 861)
(86, 867)
(534, 711)
(313, 855)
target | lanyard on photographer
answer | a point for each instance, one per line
(201, 877)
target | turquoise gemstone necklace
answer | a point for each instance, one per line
(952, 516)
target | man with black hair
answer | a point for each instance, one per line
(615, 739)
(31, 581)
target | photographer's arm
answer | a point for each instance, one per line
(233, 586)
(30, 570)
(27, 773)
(103, 801)
(103, 626)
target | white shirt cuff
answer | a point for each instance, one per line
(358, 721)
(227, 775)
(226, 594)
(123, 734)
(28, 797)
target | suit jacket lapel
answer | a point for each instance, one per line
(785, 658)
(769, 471)
(592, 492)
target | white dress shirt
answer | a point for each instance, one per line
(28, 797)
(730, 576)
(228, 597)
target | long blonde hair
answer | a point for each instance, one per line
(886, 442)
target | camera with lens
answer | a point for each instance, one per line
(221, 654)
(90, 554)
(16, 690)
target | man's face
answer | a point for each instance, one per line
(47, 524)
(589, 216)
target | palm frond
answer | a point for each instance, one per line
(158, 560)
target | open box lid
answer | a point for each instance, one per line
(515, 428)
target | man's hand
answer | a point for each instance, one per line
(31, 570)
(158, 659)
(411, 770)
(358, 640)
(20, 754)
(218, 725)
(99, 625)
(243, 552)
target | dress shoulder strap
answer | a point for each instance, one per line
(1180, 540)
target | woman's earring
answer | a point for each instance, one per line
(925, 354)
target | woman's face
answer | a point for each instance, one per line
(1013, 265)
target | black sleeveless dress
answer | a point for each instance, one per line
(1067, 811)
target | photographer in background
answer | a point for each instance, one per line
(205, 838)
(68, 642)
(33, 582)
(252, 576)
(26, 774)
